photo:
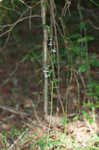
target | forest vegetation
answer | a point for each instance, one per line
(49, 75)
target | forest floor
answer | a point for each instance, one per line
(22, 123)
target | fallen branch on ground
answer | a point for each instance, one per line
(13, 111)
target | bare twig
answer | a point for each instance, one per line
(13, 111)
(18, 21)
(19, 138)
(53, 25)
(66, 7)
(93, 25)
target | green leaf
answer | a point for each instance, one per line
(82, 25)
(44, 4)
(93, 60)
(91, 105)
(86, 114)
(64, 120)
(22, 1)
(85, 39)
(95, 63)
(55, 80)
(95, 3)
(12, 2)
(83, 68)
(96, 105)
(26, 57)
(77, 35)
(91, 121)
(45, 26)
(90, 94)
(76, 118)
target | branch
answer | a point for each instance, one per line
(18, 21)
(13, 111)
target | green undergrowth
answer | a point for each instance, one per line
(55, 138)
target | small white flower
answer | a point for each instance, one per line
(46, 75)
(50, 39)
(45, 71)
(50, 43)
(54, 50)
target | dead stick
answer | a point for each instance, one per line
(13, 111)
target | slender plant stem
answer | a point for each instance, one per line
(45, 56)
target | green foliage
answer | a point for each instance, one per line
(85, 39)
(95, 2)
(76, 48)
(91, 105)
(83, 67)
(93, 89)
(87, 116)
(64, 120)
(76, 117)
(3, 142)
(14, 132)
(94, 61)
(42, 143)
(10, 11)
